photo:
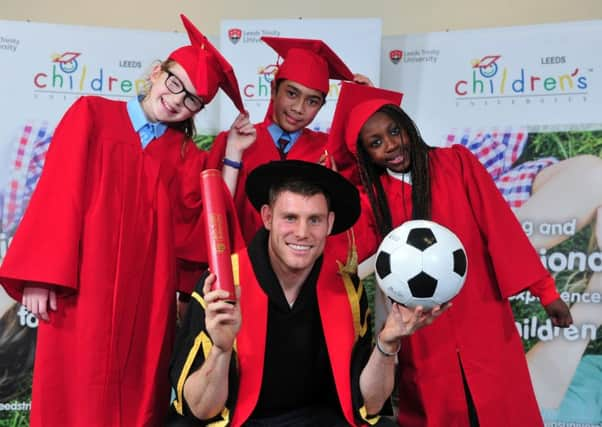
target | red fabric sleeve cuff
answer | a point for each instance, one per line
(545, 290)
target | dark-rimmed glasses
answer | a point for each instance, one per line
(175, 86)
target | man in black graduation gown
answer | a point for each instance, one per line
(296, 347)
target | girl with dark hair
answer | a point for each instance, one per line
(467, 369)
(418, 169)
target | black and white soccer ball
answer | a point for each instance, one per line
(421, 263)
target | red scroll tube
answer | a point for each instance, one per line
(217, 232)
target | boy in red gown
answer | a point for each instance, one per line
(299, 90)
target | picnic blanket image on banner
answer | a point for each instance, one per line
(526, 102)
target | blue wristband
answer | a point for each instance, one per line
(232, 163)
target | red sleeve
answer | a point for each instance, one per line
(46, 245)
(545, 290)
(217, 151)
(513, 258)
(190, 246)
(248, 218)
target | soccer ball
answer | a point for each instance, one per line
(421, 263)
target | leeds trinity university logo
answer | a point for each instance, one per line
(395, 56)
(234, 34)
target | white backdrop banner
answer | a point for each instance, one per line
(527, 99)
(541, 76)
(255, 62)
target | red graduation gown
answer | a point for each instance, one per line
(479, 329)
(309, 147)
(104, 228)
(343, 307)
(340, 331)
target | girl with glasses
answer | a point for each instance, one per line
(111, 233)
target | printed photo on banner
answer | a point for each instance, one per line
(552, 182)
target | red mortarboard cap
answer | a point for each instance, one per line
(309, 62)
(206, 67)
(355, 105)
